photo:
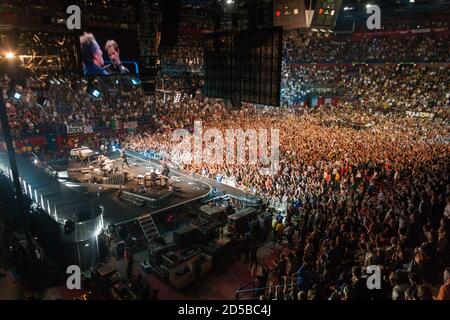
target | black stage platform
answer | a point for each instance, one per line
(67, 198)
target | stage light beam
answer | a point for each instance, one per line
(9, 55)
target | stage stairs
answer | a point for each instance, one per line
(148, 227)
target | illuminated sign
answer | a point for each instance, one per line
(289, 14)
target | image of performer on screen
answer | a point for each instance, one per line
(116, 67)
(92, 56)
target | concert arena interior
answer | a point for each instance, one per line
(225, 150)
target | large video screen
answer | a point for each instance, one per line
(105, 52)
(244, 66)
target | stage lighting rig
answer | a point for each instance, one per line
(135, 81)
(14, 94)
(94, 92)
(10, 55)
(94, 88)
(39, 51)
(17, 96)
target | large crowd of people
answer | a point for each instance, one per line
(377, 87)
(418, 47)
(382, 87)
(415, 22)
(400, 72)
(68, 104)
(361, 187)
(186, 55)
(360, 196)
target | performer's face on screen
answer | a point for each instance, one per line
(114, 55)
(98, 57)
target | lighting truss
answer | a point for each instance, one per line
(41, 63)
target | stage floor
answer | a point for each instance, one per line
(67, 197)
(223, 188)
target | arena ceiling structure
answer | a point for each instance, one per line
(351, 11)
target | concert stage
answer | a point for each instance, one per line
(224, 189)
(166, 215)
(63, 199)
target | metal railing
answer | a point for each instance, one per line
(257, 292)
(242, 290)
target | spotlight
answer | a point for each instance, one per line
(135, 81)
(14, 95)
(94, 91)
(17, 95)
(10, 55)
